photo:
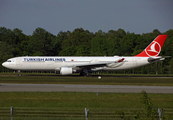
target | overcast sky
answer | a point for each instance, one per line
(138, 16)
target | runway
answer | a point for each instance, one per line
(82, 88)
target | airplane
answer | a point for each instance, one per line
(67, 65)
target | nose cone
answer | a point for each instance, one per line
(8, 65)
(4, 64)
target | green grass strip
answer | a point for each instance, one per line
(82, 100)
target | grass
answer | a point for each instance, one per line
(105, 80)
(82, 100)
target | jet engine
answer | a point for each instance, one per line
(66, 71)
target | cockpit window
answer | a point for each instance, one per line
(8, 60)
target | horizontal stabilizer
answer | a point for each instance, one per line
(155, 59)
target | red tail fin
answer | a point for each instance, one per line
(154, 47)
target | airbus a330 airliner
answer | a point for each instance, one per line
(85, 65)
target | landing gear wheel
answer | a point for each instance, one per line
(84, 74)
(19, 73)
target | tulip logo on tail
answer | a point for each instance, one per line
(153, 49)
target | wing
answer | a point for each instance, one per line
(94, 65)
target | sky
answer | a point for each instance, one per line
(134, 16)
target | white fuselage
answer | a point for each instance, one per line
(56, 63)
(68, 65)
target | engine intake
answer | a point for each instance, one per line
(66, 71)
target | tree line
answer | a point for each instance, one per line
(82, 42)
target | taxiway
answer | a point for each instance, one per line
(4, 87)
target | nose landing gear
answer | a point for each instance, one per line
(19, 73)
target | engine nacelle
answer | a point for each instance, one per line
(66, 71)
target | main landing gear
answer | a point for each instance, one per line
(85, 73)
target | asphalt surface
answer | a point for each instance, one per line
(82, 88)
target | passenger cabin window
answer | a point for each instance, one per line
(8, 60)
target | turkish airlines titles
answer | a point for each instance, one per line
(43, 59)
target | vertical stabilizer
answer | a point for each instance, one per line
(154, 48)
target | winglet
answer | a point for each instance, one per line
(154, 48)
